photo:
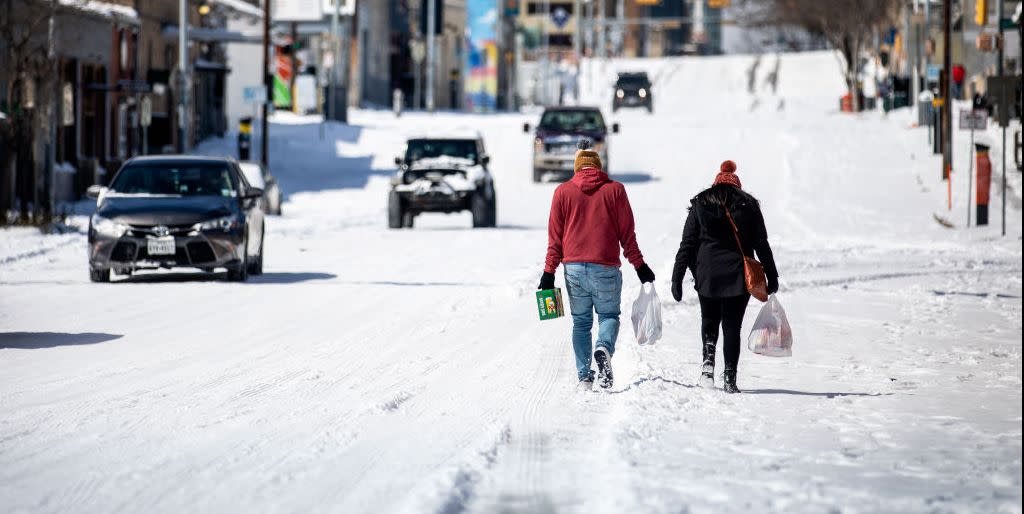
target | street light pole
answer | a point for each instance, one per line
(183, 76)
(947, 106)
(431, 54)
(268, 85)
(332, 85)
(999, 72)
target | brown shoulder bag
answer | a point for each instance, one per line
(753, 271)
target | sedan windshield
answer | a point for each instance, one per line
(632, 81)
(572, 121)
(177, 179)
(430, 148)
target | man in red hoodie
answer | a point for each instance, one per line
(590, 219)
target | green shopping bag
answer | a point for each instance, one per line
(549, 304)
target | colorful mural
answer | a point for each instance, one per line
(481, 85)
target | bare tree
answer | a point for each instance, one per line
(26, 39)
(848, 25)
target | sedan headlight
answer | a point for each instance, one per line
(225, 223)
(620, 94)
(107, 226)
(643, 93)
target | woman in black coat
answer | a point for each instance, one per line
(710, 250)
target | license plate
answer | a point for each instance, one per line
(160, 245)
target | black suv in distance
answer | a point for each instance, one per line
(633, 90)
(176, 211)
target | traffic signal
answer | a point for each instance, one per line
(981, 12)
(438, 16)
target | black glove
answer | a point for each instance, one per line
(547, 281)
(677, 291)
(645, 274)
(773, 285)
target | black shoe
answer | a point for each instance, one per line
(604, 367)
(729, 377)
(707, 369)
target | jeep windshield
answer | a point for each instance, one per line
(418, 149)
(572, 121)
(176, 179)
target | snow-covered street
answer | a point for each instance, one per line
(375, 370)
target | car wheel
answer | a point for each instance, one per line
(407, 219)
(478, 206)
(537, 174)
(240, 272)
(99, 275)
(492, 211)
(256, 267)
(396, 212)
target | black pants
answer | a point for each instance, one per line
(727, 312)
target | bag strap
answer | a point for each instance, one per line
(735, 231)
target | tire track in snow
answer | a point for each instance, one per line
(519, 471)
(39, 251)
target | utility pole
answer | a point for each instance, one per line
(999, 72)
(332, 85)
(620, 31)
(431, 54)
(947, 102)
(268, 85)
(546, 50)
(913, 47)
(183, 76)
(58, 100)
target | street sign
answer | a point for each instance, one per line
(67, 109)
(973, 119)
(560, 17)
(418, 50)
(254, 94)
(146, 112)
(345, 7)
(297, 10)
(511, 8)
(1002, 91)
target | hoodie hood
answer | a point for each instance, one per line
(590, 179)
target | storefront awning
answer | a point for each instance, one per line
(117, 12)
(214, 35)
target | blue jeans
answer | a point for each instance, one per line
(593, 287)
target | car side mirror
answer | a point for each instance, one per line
(399, 161)
(485, 160)
(615, 128)
(252, 193)
(526, 128)
(94, 191)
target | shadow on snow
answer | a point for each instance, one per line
(282, 277)
(633, 177)
(39, 340)
(302, 161)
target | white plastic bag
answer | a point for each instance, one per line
(647, 316)
(771, 334)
